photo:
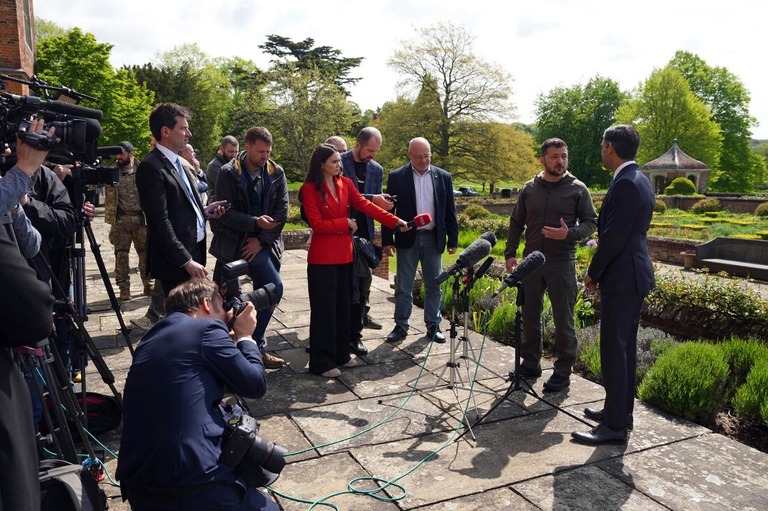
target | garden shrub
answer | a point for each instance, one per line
(660, 207)
(688, 380)
(762, 209)
(742, 354)
(706, 205)
(763, 235)
(475, 211)
(712, 214)
(751, 398)
(499, 225)
(598, 206)
(588, 359)
(502, 323)
(651, 344)
(680, 186)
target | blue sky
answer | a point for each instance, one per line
(541, 44)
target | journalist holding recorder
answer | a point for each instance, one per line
(173, 427)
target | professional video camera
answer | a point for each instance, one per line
(77, 130)
(261, 298)
(255, 458)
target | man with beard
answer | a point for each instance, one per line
(556, 211)
(122, 210)
(359, 166)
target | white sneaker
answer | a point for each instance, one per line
(332, 373)
(351, 363)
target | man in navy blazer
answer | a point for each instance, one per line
(622, 270)
(420, 188)
(172, 425)
(171, 203)
(359, 165)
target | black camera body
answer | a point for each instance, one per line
(75, 139)
(254, 458)
(261, 298)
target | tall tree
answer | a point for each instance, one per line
(306, 107)
(728, 101)
(249, 104)
(75, 59)
(185, 75)
(470, 90)
(664, 110)
(327, 62)
(579, 115)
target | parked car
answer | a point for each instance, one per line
(467, 191)
(456, 193)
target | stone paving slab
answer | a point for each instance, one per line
(706, 472)
(581, 489)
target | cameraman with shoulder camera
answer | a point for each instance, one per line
(172, 425)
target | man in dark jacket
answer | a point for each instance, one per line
(555, 211)
(227, 151)
(256, 190)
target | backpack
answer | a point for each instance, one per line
(104, 413)
(65, 486)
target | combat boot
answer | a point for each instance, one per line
(125, 293)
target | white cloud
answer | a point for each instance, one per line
(541, 44)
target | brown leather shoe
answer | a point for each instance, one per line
(272, 361)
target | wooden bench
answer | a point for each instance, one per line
(744, 258)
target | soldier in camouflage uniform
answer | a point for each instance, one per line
(123, 212)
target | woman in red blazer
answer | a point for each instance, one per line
(326, 196)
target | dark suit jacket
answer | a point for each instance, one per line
(171, 219)
(374, 176)
(171, 425)
(621, 263)
(400, 183)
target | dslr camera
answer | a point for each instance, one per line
(261, 298)
(254, 458)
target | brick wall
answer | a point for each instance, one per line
(17, 42)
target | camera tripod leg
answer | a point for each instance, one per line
(96, 250)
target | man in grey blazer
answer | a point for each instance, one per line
(622, 270)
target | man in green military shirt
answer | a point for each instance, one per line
(122, 210)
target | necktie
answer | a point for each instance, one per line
(188, 189)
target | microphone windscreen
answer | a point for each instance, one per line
(474, 252)
(528, 265)
(490, 237)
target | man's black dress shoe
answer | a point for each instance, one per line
(368, 322)
(596, 414)
(600, 435)
(358, 348)
(556, 383)
(434, 333)
(397, 334)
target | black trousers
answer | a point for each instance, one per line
(329, 300)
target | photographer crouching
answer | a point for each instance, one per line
(173, 428)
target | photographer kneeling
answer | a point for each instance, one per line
(172, 425)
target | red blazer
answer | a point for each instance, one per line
(331, 242)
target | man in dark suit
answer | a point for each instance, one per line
(420, 188)
(172, 421)
(171, 203)
(359, 165)
(622, 270)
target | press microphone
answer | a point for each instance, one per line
(483, 268)
(528, 265)
(490, 237)
(420, 220)
(109, 150)
(62, 107)
(472, 254)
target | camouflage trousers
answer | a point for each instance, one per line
(127, 229)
